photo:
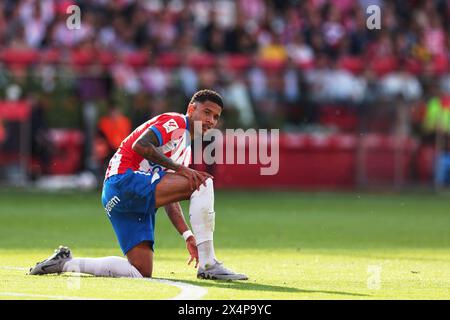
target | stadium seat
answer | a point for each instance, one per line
(201, 61)
(168, 60)
(50, 56)
(440, 65)
(271, 66)
(382, 66)
(15, 110)
(106, 58)
(68, 150)
(137, 59)
(238, 62)
(353, 64)
(343, 118)
(306, 65)
(413, 66)
(80, 58)
(19, 57)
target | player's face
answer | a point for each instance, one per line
(207, 113)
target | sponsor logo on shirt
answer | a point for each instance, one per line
(170, 125)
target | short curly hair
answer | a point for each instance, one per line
(207, 95)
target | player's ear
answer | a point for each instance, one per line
(191, 108)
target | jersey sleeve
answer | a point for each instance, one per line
(168, 128)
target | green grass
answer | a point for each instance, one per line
(292, 246)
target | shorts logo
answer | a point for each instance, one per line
(170, 125)
(155, 177)
(111, 204)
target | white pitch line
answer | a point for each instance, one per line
(188, 291)
(32, 295)
(13, 268)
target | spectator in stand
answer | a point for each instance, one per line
(292, 25)
(2, 132)
(273, 50)
(257, 82)
(163, 30)
(359, 36)
(154, 79)
(188, 79)
(389, 20)
(333, 31)
(437, 114)
(300, 52)
(212, 36)
(435, 36)
(420, 50)
(316, 77)
(238, 39)
(142, 109)
(291, 81)
(342, 86)
(253, 10)
(401, 83)
(65, 38)
(307, 32)
(125, 78)
(3, 25)
(113, 128)
(292, 92)
(41, 146)
(237, 97)
(270, 110)
(381, 47)
(36, 22)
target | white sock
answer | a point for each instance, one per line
(103, 267)
(202, 217)
(206, 253)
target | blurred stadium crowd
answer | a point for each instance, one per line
(296, 65)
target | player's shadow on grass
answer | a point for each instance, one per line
(242, 285)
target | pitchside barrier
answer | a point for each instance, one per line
(15, 141)
(17, 163)
(333, 162)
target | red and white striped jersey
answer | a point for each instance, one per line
(172, 130)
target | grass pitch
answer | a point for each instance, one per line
(291, 245)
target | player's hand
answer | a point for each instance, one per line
(196, 178)
(191, 245)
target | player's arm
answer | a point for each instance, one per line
(175, 214)
(146, 146)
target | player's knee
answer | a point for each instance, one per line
(205, 188)
(144, 267)
(146, 273)
(144, 270)
(209, 183)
